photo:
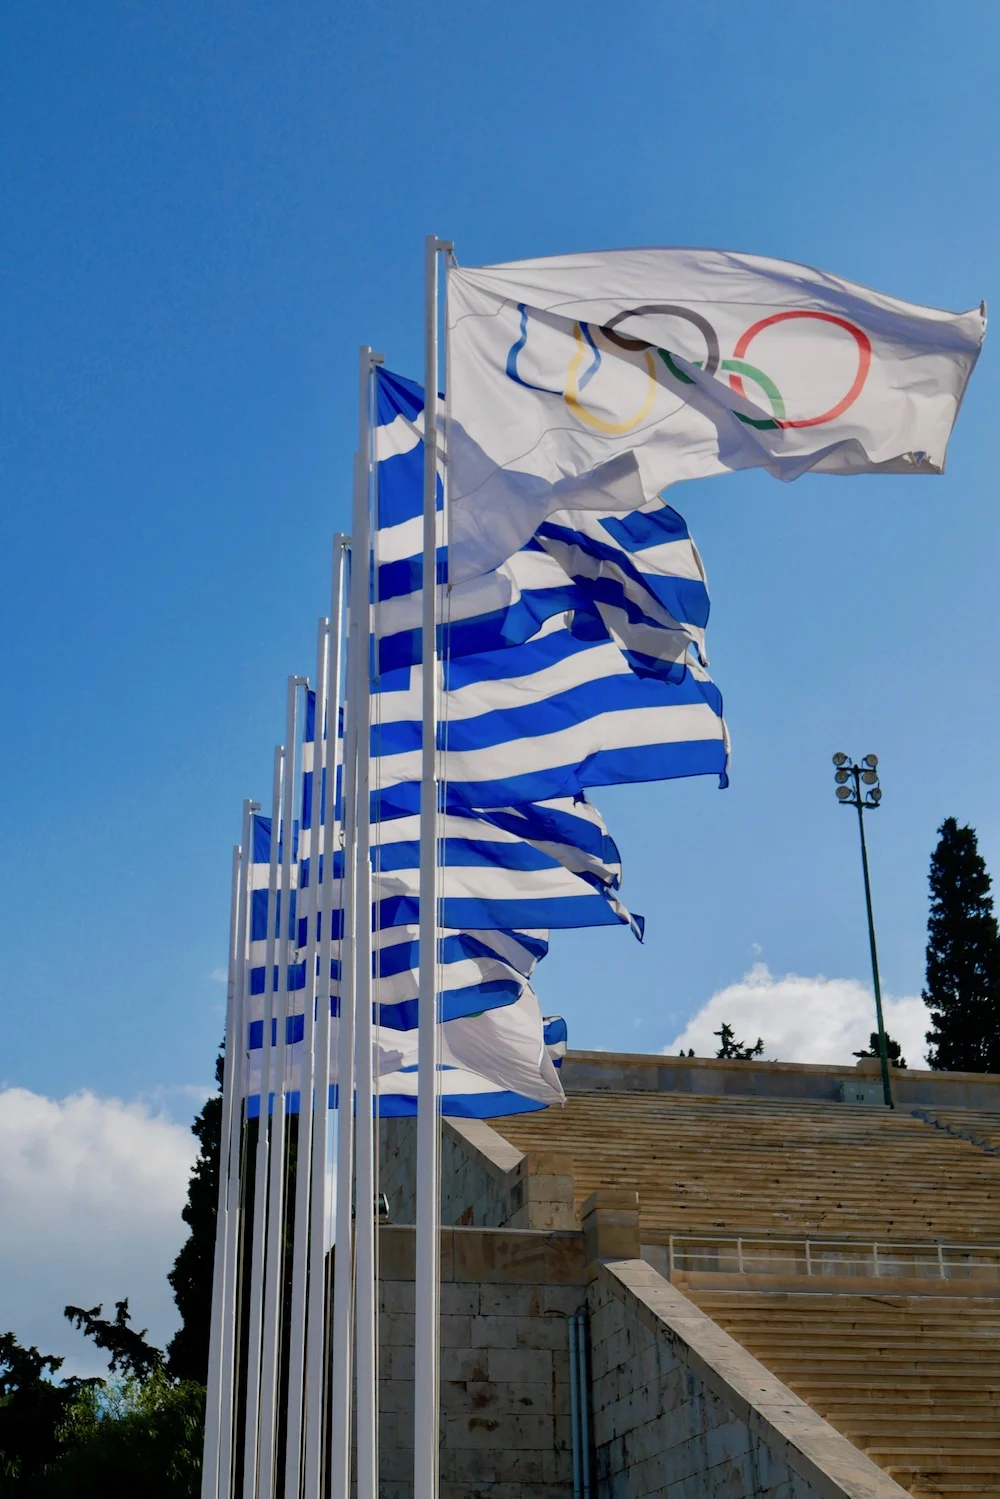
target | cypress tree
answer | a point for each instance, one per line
(191, 1276)
(963, 957)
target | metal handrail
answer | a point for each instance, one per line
(945, 1258)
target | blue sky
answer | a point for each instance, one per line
(207, 209)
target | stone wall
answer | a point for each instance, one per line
(505, 1414)
(681, 1409)
(619, 1072)
(485, 1181)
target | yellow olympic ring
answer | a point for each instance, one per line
(572, 395)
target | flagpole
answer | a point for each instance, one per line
(316, 1311)
(236, 1228)
(426, 1395)
(223, 1305)
(273, 1276)
(308, 1104)
(364, 1195)
(342, 1323)
(259, 1225)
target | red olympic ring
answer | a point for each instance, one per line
(864, 362)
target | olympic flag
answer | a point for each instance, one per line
(591, 382)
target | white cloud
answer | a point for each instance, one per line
(219, 976)
(804, 1019)
(92, 1191)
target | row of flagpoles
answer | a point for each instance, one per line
(569, 417)
(317, 1355)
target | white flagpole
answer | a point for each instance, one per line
(364, 1195)
(342, 1325)
(316, 1312)
(308, 908)
(273, 1272)
(259, 1227)
(426, 1401)
(223, 1306)
(236, 1228)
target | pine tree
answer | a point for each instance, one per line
(736, 1051)
(893, 1050)
(128, 1351)
(963, 957)
(191, 1276)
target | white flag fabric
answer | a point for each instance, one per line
(591, 382)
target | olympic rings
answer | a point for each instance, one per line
(737, 368)
(864, 361)
(704, 327)
(572, 396)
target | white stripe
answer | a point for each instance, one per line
(398, 436)
(637, 728)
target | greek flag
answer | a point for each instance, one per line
(580, 662)
(499, 1062)
(532, 1052)
(482, 970)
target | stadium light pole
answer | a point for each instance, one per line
(858, 786)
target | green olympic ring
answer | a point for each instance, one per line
(738, 367)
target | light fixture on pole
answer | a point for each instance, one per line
(858, 786)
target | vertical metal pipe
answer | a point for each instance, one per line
(583, 1366)
(341, 1336)
(231, 1289)
(259, 1226)
(274, 1299)
(426, 1419)
(574, 1408)
(328, 739)
(364, 1196)
(221, 1310)
(308, 907)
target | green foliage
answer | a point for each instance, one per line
(97, 1439)
(736, 1051)
(892, 1048)
(191, 1276)
(129, 1437)
(33, 1412)
(963, 957)
(129, 1352)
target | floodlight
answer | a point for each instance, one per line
(840, 776)
(839, 759)
(876, 795)
(869, 777)
(843, 792)
(871, 760)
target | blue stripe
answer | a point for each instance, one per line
(395, 395)
(455, 1004)
(644, 528)
(466, 853)
(561, 911)
(390, 1106)
(614, 767)
(554, 1030)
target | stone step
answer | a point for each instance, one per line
(981, 1455)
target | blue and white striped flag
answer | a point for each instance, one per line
(498, 1062)
(512, 1046)
(579, 662)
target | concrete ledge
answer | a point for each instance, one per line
(489, 1149)
(610, 1218)
(810, 1446)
